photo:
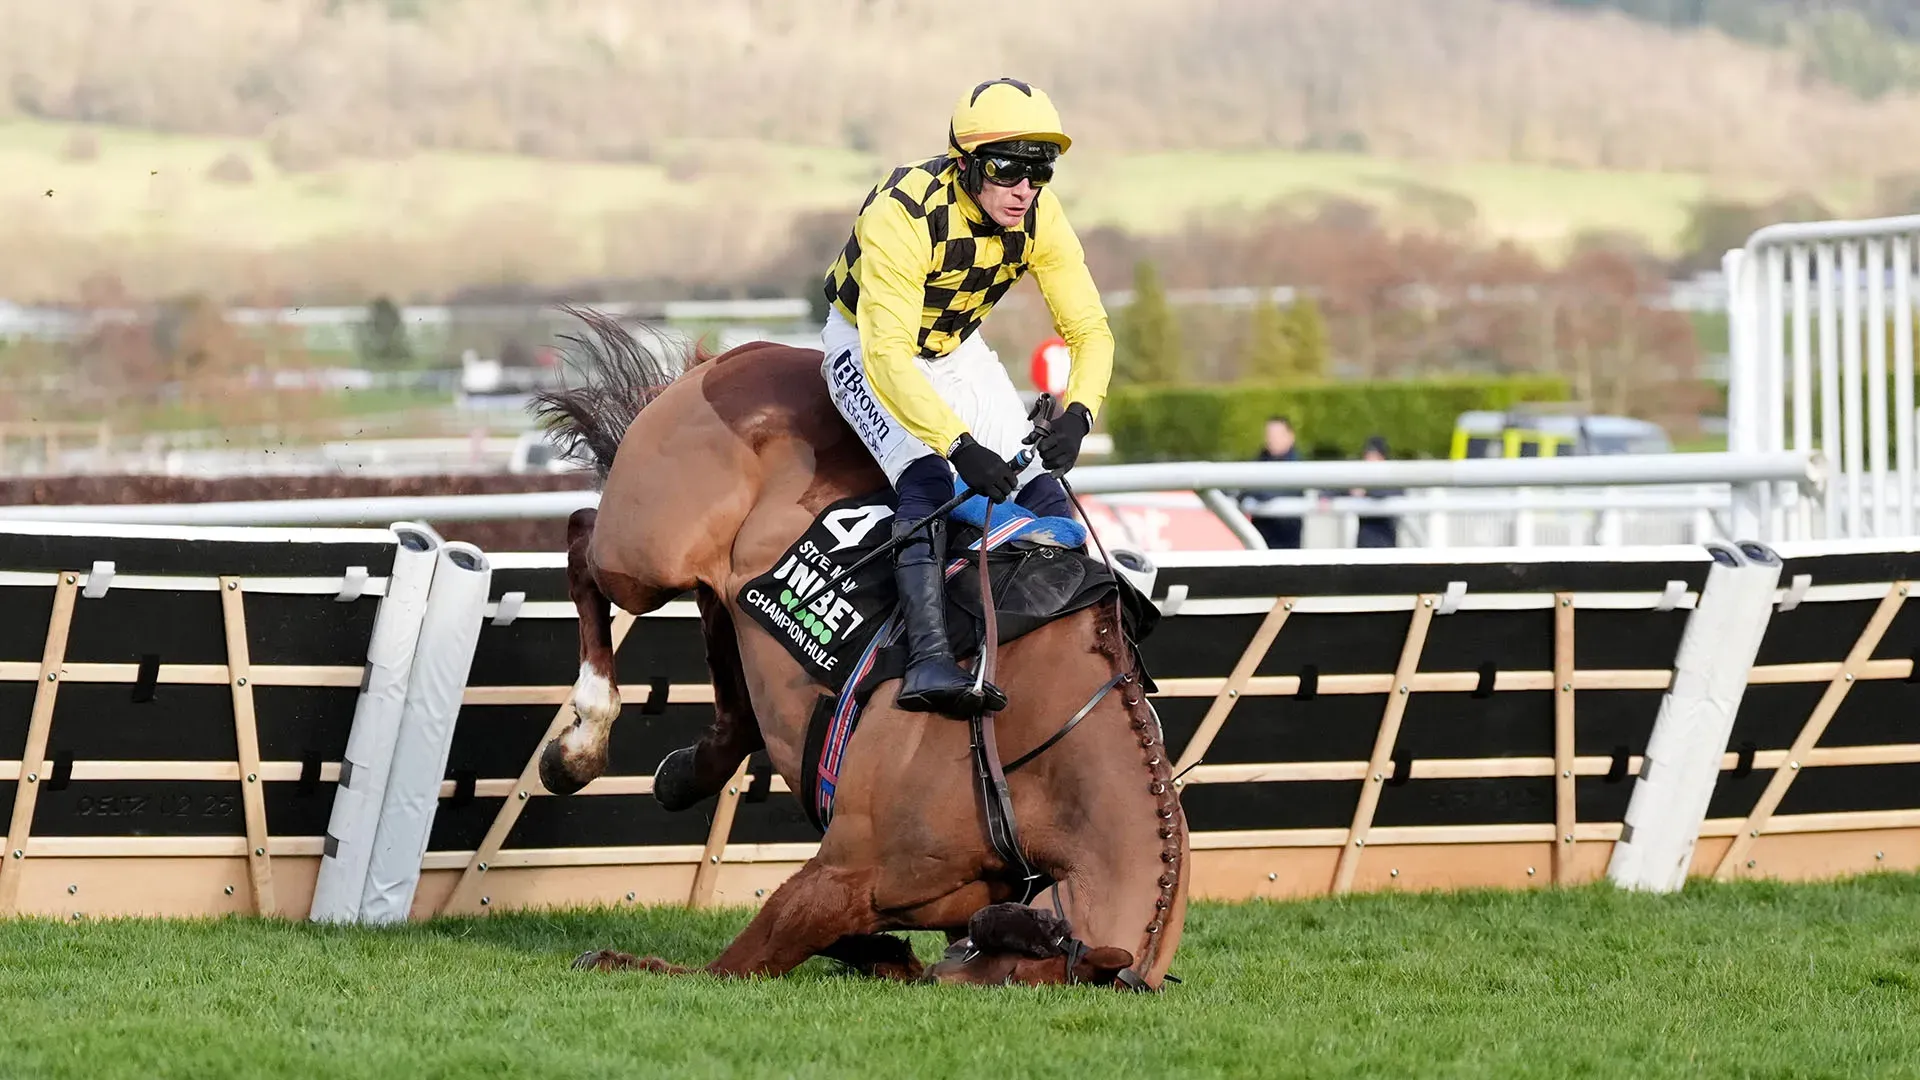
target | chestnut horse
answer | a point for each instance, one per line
(707, 477)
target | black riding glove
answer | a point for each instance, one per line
(984, 471)
(1060, 446)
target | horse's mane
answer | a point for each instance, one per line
(619, 376)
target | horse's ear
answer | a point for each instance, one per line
(1104, 962)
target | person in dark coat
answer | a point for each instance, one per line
(1377, 531)
(1279, 532)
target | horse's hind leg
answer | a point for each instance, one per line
(693, 773)
(812, 912)
(580, 753)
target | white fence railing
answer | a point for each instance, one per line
(1478, 486)
(1821, 324)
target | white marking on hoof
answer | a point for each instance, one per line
(597, 702)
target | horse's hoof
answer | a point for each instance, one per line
(554, 775)
(674, 784)
(603, 960)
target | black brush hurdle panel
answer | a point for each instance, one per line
(308, 628)
(1506, 723)
(1592, 571)
(1601, 798)
(1606, 720)
(541, 584)
(1611, 639)
(212, 552)
(778, 820)
(1736, 792)
(1902, 639)
(1829, 789)
(140, 808)
(181, 627)
(1843, 567)
(659, 648)
(1519, 640)
(16, 715)
(1506, 800)
(460, 825)
(495, 741)
(1263, 728)
(1772, 714)
(297, 809)
(102, 722)
(1295, 804)
(606, 821)
(299, 722)
(1814, 633)
(1335, 643)
(23, 627)
(546, 652)
(1875, 712)
(1198, 646)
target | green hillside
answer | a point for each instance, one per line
(184, 211)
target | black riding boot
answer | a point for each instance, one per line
(933, 683)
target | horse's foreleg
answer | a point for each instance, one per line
(880, 956)
(579, 755)
(812, 912)
(693, 773)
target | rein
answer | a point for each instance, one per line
(1002, 830)
(997, 801)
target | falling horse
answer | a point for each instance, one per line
(708, 477)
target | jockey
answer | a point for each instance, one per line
(935, 246)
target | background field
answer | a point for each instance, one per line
(1734, 980)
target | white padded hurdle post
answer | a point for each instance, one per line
(376, 724)
(1682, 762)
(449, 633)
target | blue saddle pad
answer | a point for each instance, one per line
(1054, 531)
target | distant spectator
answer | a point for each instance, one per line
(1279, 532)
(1377, 531)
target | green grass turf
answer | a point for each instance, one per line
(1721, 980)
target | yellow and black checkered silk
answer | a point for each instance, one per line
(973, 262)
(923, 268)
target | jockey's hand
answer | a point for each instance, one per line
(1060, 446)
(983, 470)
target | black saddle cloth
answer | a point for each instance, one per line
(827, 619)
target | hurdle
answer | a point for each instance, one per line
(187, 715)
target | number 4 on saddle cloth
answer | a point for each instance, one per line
(841, 629)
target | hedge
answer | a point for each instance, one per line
(1225, 423)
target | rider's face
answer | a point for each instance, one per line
(1006, 205)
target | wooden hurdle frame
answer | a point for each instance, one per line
(255, 871)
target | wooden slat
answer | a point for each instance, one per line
(684, 854)
(1563, 774)
(216, 674)
(465, 896)
(708, 871)
(1443, 682)
(39, 725)
(1827, 671)
(1811, 731)
(1229, 693)
(680, 693)
(1377, 765)
(253, 796)
(143, 847)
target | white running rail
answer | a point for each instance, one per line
(1821, 322)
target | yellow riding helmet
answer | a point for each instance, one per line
(1002, 110)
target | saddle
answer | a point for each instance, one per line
(841, 627)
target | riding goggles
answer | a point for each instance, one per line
(1009, 171)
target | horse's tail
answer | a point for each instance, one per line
(619, 377)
